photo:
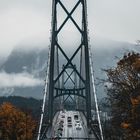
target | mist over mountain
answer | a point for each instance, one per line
(30, 65)
(2, 60)
(27, 63)
(106, 54)
(32, 61)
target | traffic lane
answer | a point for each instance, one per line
(72, 131)
(81, 131)
(70, 124)
(78, 132)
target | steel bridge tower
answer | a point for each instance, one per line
(71, 81)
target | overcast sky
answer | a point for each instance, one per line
(29, 21)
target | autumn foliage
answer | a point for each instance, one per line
(124, 96)
(15, 124)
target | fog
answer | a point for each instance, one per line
(23, 20)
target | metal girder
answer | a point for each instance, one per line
(69, 62)
(55, 44)
(80, 90)
(69, 16)
(69, 77)
(76, 92)
(87, 66)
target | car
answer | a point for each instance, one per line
(60, 133)
(77, 121)
(69, 124)
(57, 136)
(78, 126)
(61, 125)
(76, 117)
(63, 116)
(61, 121)
(69, 119)
(60, 128)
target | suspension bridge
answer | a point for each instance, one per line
(69, 94)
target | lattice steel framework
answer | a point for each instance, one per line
(56, 91)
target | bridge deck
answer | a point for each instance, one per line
(69, 125)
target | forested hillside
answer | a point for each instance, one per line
(30, 105)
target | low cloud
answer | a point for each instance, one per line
(19, 24)
(24, 79)
(6, 91)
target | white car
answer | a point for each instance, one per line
(78, 126)
(62, 116)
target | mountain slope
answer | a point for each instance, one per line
(29, 105)
(34, 62)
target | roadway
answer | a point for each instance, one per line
(76, 127)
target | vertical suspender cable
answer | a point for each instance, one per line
(44, 98)
(95, 96)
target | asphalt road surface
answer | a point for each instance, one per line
(70, 124)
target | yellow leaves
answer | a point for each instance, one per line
(132, 136)
(129, 60)
(15, 123)
(135, 101)
(136, 64)
(124, 95)
(125, 125)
